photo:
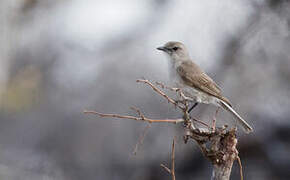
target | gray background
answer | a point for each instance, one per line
(60, 57)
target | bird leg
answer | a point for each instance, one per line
(192, 107)
(214, 118)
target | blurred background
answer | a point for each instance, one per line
(60, 57)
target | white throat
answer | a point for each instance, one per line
(173, 75)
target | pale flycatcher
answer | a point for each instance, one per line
(195, 83)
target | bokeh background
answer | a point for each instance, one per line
(60, 57)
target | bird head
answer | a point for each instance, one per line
(176, 50)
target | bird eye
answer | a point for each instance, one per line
(175, 48)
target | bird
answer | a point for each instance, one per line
(196, 85)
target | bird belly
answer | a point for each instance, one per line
(199, 96)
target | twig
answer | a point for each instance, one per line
(172, 160)
(138, 112)
(167, 87)
(177, 90)
(199, 121)
(166, 168)
(174, 121)
(241, 167)
(141, 139)
(172, 170)
(161, 93)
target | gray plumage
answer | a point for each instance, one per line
(196, 84)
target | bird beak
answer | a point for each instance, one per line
(162, 49)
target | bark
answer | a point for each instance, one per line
(222, 165)
(219, 146)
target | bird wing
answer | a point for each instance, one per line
(193, 76)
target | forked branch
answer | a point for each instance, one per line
(172, 170)
(217, 144)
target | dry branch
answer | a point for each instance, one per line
(217, 144)
(241, 167)
(172, 170)
(174, 121)
(141, 139)
(170, 100)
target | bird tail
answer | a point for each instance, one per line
(246, 127)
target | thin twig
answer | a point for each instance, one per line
(172, 170)
(167, 87)
(141, 139)
(173, 159)
(241, 167)
(203, 123)
(161, 93)
(185, 98)
(138, 112)
(174, 121)
(166, 168)
(177, 90)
